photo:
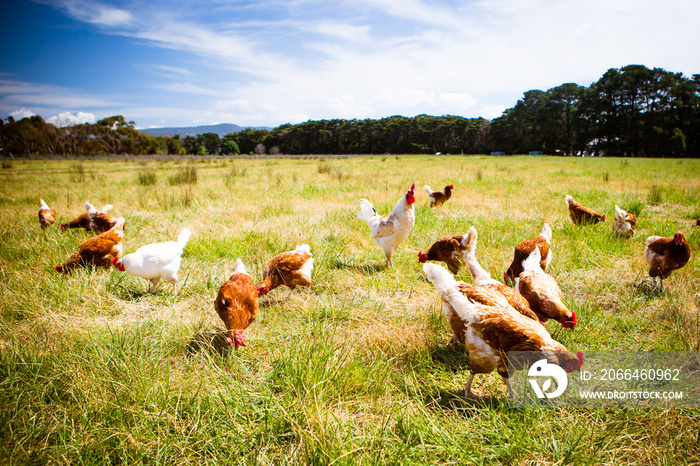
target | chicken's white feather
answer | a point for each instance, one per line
(533, 261)
(239, 268)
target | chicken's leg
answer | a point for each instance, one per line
(154, 284)
(468, 387)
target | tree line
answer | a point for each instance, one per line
(633, 111)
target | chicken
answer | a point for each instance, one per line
(542, 293)
(664, 255)
(491, 331)
(156, 261)
(624, 223)
(99, 250)
(389, 231)
(291, 268)
(47, 216)
(438, 198)
(448, 250)
(543, 242)
(83, 221)
(483, 279)
(581, 214)
(100, 220)
(237, 304)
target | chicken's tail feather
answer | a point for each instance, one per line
(239, 268)
(428, 190)
(107, 208)
(619, 213)
(90, 209)
(44, 205)
(441, 279)
(533, 260)
(569, 199)
(469, 241)
(547, 233)
(481, 276)
(303, 248)
(184, 237)
(367, 211)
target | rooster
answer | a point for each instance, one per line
(237, 304)
(47, 216)
(483, 279)
(438, 198)
(448, 250)
(100, 220)
(491, 331)
(156, 261)
(581, 214)
(624, 223)
(389, 231)
(543, 242)
(83, 220)
(99, 250)
(291, 268)
(542, 293)
(664, 255)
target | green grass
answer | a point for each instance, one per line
(95, 370)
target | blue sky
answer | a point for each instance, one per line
(269, 62)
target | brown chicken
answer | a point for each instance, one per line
(438, 198)
(543, 241)
(483, 279)
(664, 255)
(81, 221)
(47, 216)
(447, 250)
(292, 268)
(581, 214)
(624, 223)
(237, 304)
(491, 331)
(98, 250)
(542, 293)
(100, 220)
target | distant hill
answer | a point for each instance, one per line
(220, 129)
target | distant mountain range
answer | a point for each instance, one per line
(221, 129)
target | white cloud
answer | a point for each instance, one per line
(68, 119)
(271, 62)
(21, 113)
(94, 12)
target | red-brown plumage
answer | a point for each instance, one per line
(47, 217)
(101, 222)
(237, 305)
(81, 221)
(491, 331)
(448, 250)
(664, 255)
(544, 296)
(525, 248)
(98, 250)
(437, 198)
(483, 279)
(292, 268)
(581, 214)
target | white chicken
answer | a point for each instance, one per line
(389, 231)
(155, 262)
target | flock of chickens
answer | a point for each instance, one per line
(490, 318)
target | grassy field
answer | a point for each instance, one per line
(95, 370)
